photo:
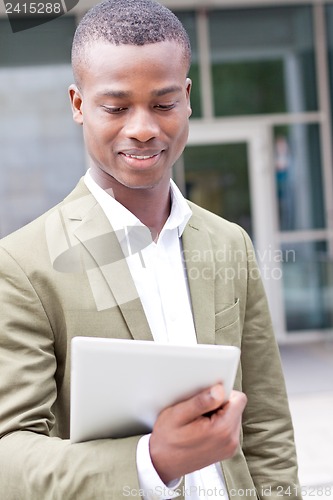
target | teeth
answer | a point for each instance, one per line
(140, 157)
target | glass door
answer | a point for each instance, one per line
(217, 178)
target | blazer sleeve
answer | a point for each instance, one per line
(33, 464)
(268, 437)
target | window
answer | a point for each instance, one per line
(262, 60)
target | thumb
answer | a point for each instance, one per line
(205, 401)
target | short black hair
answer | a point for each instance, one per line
(129, 22)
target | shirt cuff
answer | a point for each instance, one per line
(149, 481)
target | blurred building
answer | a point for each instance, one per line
(260, 146)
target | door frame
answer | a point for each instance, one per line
(259, 140)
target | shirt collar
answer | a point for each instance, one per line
(119, 216)
(180, 211)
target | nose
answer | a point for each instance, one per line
(141, 125)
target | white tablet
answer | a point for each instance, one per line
(118, 387)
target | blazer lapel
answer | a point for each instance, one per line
(109, 275)
(105, 264)
(199, 261)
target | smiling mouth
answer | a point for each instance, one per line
(141, 161)
(140, 157)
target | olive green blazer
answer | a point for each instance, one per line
(64, 275)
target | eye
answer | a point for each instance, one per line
(113, 110)
(165, 107)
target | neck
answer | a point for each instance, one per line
(150, 205)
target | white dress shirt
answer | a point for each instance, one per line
(159, 274)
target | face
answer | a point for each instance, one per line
(134, 106)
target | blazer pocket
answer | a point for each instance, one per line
(227, 326)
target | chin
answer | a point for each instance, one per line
(141, 185)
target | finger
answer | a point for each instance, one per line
(234, 406)
(238, 398)
(196, 406)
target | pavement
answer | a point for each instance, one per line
(308, 369)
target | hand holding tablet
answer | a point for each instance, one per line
(118, 387)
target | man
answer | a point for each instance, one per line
(69, 273)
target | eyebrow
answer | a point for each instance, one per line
(121, 94)
(167, 90)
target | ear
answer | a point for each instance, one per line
(76, 103)
(188, 94)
